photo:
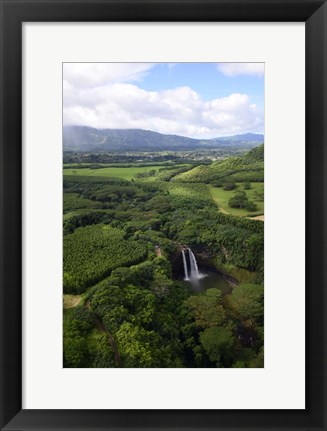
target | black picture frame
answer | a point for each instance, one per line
(13, 14)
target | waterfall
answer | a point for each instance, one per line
(194, 274)
(185, 266)
(194, 266)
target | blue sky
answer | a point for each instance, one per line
(205, 79)
(200, 100)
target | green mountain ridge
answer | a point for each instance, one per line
(82, 138)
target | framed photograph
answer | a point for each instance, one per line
(163, 210)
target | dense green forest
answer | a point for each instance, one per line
(129, 236)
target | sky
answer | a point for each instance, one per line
(198, 100)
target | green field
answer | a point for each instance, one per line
(124, 173)
(221, 197)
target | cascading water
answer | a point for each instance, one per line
(194, 266)
(185, 266)
(193, 275)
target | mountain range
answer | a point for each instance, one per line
(86, 139)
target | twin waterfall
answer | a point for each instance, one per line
(194, 271)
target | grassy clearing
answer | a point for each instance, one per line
(191, 191)
(71, 301)
(126, 173)
(221, 197)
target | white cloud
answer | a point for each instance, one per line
(96, 74)
(235, 69)
(100, 98)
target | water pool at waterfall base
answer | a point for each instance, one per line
(199, 277)
(209, 279)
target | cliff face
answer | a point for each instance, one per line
(205, 260)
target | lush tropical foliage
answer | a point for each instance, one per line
(123, 238)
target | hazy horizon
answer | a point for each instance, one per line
(162, 133)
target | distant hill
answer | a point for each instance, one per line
(83, 138)
(249, 167)
(246, 137)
